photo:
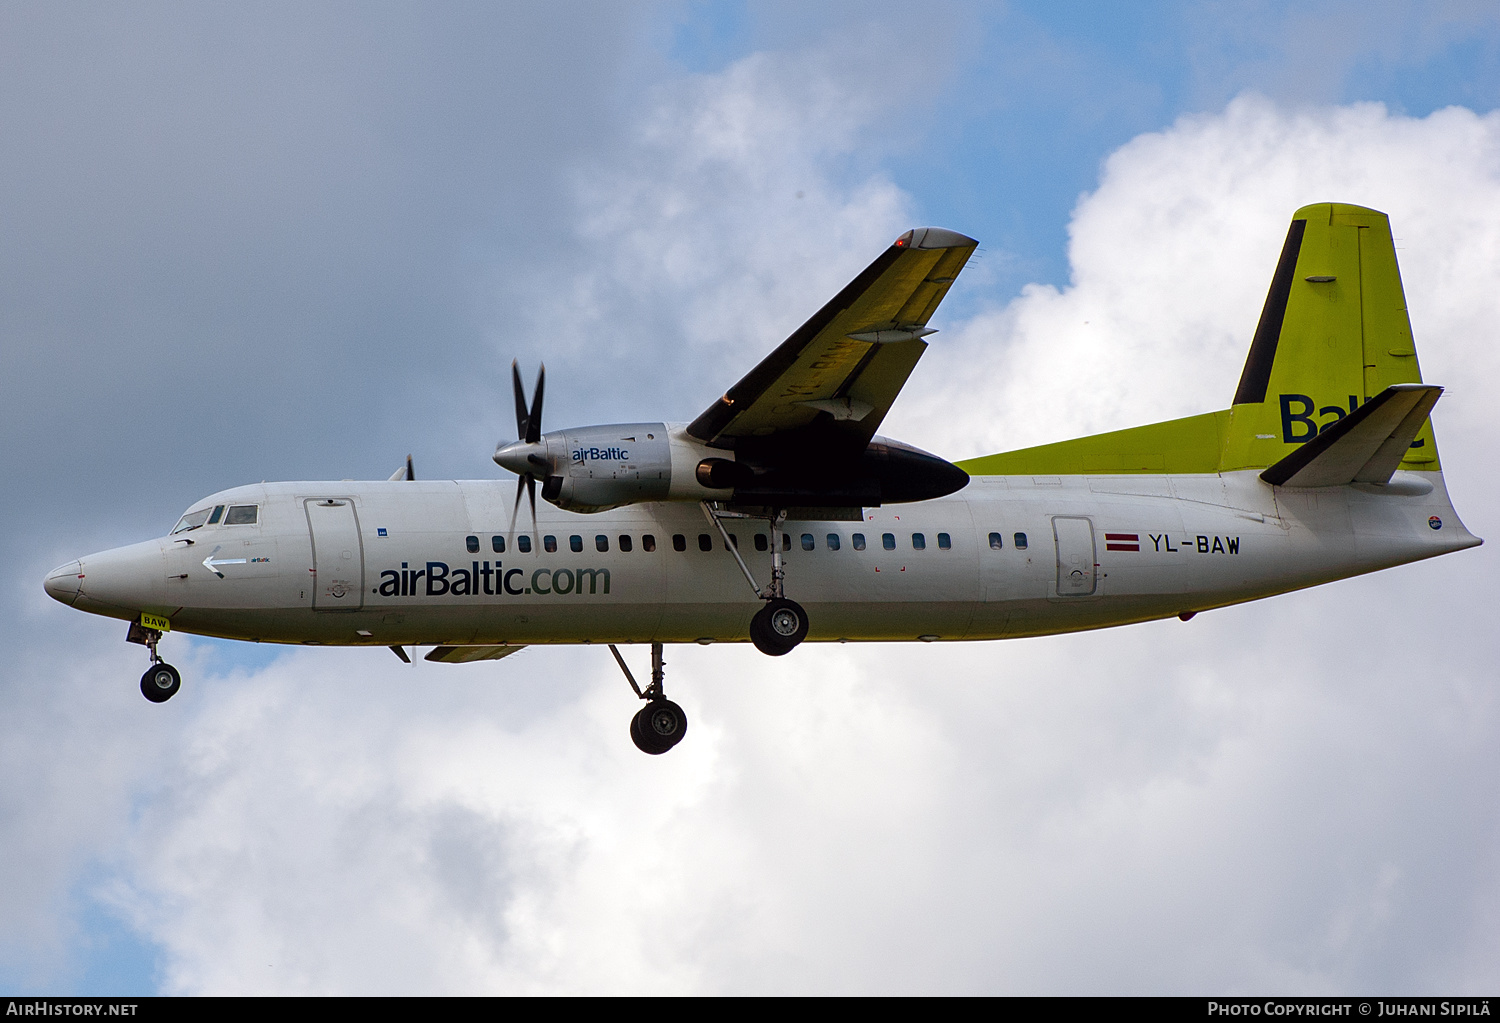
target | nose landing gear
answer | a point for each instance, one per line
(660, 724)
(161, 681)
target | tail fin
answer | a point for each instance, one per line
(1333, 335)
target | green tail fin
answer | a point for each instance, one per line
(1333, 336)
(1334, 333)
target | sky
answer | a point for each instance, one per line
(298, 241)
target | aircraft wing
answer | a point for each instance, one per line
(841, 370)
(466, 654)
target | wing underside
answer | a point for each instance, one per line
(842, 369)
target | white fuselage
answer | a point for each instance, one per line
(390, 563)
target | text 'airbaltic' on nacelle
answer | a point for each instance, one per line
(595, 468)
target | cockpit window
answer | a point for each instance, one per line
(213, 520)
(192, 520)
(241, 515)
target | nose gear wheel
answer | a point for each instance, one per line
(160, 683)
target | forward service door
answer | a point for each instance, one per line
(338, 555)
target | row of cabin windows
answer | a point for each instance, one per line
(997, 542)
(808, 541)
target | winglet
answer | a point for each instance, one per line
(1365, 446)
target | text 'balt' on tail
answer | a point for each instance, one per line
(1333, 336)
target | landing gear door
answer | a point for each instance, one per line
(338, 555)
(1077, 572)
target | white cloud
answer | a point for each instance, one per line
(708, 240)
(1295, 795)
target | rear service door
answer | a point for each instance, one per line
(1077, 573)
(338, 556)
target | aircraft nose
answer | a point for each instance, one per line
(126, 578)
(63, 582)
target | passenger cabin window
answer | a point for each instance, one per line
(833, 541)
(786, 541)
(575, 544)
(648, 543)
(705, 542)
(241, 515)
(945, 542)
(523, 543)
(996, 543)
(497, 544)
(213, 520)
(549, 544)
(807, 541)
(472, 543)
(624, 543)
(601, 543)
(192, 520)
(1020, 539)
(858, 539)
(761, 543)
(679, 542)
(888, 541)
(918, 542)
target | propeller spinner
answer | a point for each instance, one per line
(526, 456)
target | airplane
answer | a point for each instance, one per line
(1325, 466)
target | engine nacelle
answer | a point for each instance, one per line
(596, 468)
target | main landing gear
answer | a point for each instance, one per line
(660, 724)
(778, 627)
(161, 681)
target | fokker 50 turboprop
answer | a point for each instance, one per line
(779, 516)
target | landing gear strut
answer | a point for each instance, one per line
(161, 681)
(779, 626)
(660, 724)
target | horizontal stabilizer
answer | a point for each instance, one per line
(465, 654)
(1365, 446)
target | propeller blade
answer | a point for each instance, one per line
(410, 474)
(531, 493)
(534, 420)
(515, 508)
(522, 420)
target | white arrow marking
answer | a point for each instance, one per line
(211, 563)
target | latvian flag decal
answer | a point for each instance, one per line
(1122, 541)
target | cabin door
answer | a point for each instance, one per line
(1077, 572)
(338, 556)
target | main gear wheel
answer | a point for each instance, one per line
(778, 627)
